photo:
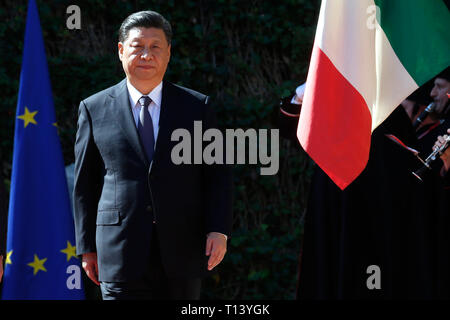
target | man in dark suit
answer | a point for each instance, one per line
(145, 226)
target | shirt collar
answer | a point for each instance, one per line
(155, 94)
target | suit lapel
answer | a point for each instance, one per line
(164, 133)
(124, 117)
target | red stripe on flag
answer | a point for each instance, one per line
(335, 122)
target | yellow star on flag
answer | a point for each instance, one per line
(28, 117)
(70, 251)
(8, 257)
(38, 264)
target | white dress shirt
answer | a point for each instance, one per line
(154, 107)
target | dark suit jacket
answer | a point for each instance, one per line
(118, 193)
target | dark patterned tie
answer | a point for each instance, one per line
(145, 127)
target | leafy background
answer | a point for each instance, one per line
(245, 54)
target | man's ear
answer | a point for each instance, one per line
(168, 48)
(120, 51)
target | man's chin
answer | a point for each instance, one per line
(145, 76)
(145, 73)
(146, 79)
(442, 111)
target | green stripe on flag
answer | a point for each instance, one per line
(419, 33)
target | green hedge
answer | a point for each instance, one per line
(245, 54)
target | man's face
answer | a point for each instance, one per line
(439, 95)
(145, 55)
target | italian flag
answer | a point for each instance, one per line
(368, 56)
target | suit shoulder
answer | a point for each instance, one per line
(189, 92)
(99, 97)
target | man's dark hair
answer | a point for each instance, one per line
(421, 96)
(445, 74)
(145, 19)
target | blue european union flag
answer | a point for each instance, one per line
(41, 262)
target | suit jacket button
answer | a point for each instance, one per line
(149, 209)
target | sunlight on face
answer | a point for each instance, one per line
(145, 55)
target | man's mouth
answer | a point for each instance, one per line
(146, 67)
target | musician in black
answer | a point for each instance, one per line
(377, 220)
(435, 190)
(440, 118)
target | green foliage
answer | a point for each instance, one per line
(245, 54)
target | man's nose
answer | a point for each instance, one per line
(433, 92)
(146, 54)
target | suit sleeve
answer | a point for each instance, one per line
(88, 183)
(217, 185)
